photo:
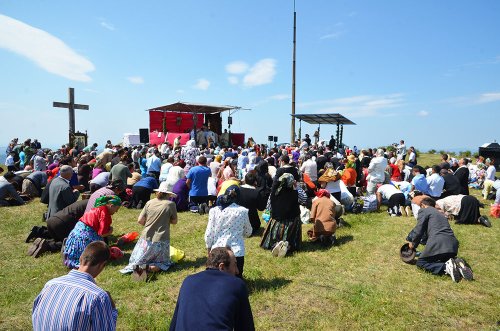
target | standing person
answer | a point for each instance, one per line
(10, 163)
(331, 143)
(74, 301)
(283, 233)
(376, 171)
(462, 174)
(93, 226)
(401, 150)
(228, 224)
(153, 246)
(61, 194)
(197, 180)
(214, 299)
(440, 253)
(412, 159)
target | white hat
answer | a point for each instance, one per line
(163, 189)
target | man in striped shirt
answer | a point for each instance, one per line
(74, 301)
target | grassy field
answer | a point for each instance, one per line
(358, 284)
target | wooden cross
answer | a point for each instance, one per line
(71, 107)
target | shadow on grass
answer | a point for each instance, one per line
(189, 264)
(310, 246)
(120, 262)
(263, 285)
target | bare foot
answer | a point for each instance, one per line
(153, 268)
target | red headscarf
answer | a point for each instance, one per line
(322, 193)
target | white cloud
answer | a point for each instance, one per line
(108, 26)
(202, 84)
(469, 100)
(333, 35)
(423, 113)
(488, 97)
(236, 67)
(261, 73)
(136, 79)
(357, 106)
(47, 51)
(233, 80)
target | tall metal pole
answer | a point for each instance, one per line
(71, 108)
(292, 137)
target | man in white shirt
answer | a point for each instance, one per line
(435, 182)
(395, 199)
(310, 168)
(401, 150)
(376, 171)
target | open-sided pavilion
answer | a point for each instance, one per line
(333, 119)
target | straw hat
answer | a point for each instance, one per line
(163, 189)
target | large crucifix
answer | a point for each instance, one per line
(71, 108)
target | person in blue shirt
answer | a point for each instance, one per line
(141, 192)
(419, 183)
(74, 301)
(22, 158)
(154, 164)
(214, 299)
(197, 181)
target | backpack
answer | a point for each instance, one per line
(369, 203)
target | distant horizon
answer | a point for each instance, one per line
(426, 72)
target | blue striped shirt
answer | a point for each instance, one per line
(73, 302)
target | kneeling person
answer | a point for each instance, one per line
(74, 301)
(440, 253)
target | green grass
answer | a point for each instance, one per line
(359, 284)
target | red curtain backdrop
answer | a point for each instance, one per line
(186, 122)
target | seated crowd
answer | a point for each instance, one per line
(292, 185)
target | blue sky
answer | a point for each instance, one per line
(424, 71)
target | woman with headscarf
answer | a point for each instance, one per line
(228, 224)
(330, 180)
(189, 154)
(349, 174)
(263, 179)
(283, 233)
(323, 218)
(175, 174)
(153, 247)
(93, 226)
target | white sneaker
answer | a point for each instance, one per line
(277, 248)
(283, 249)
(452, 270)
(408, 211)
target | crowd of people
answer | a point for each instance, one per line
(292, 185)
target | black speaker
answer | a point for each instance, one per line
(269, 138)
(275, 139)
(144, 136)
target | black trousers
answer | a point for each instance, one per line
(198, 200)
(434, 264)
(140, 195)
(240, 262)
